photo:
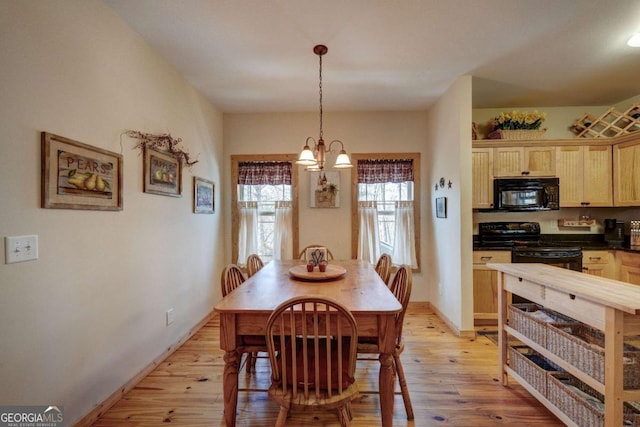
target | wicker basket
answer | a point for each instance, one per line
(523, 320)
(532, 367)
(517, 134)
(581, 403)
(583, 347)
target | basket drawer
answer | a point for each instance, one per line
(532, 367)
(531, 320)
(581, 403)
(583, 347)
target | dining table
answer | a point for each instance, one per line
(354, 283)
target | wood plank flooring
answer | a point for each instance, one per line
(453, 382)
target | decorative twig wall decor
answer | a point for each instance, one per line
(163, 142)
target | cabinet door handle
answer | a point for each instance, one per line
(486, 258)
(595, 258)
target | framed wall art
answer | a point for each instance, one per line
(324, 187)
(203, 196)
(441, 207)
(162, 173)
(76, 175)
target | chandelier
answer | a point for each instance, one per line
(314, 156)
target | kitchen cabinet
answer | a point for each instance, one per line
(524, 161)
(482, 171)
(626, 178)
(629, 267)
(585, 174)
(598, 263)
(615, 313)
(485, 286)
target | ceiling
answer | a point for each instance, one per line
(394, 55)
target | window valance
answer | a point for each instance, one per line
(385, 170)
(264, 173)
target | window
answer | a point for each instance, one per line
(386, 203)
(263, 203)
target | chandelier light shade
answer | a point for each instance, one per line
(314, 152)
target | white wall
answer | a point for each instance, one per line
(374, 132)
(89, 314)
(450, 253)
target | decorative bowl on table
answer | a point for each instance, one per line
(332, 272)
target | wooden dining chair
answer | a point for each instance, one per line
(232, 277)
(254, 263)
(383, 267)
(303, 252)
(312, 348)
(401, 289)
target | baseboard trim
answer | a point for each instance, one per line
(104, 406)
(460, 333)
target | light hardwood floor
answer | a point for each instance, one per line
(453, 381)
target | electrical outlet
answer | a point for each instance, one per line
(20, 248)
(170, 317)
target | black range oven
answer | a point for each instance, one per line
(526, 245)
(565, 257)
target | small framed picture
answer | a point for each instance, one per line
(162, 173)
(441, 207)
(324, 187)
(79, 176)
(203, 196)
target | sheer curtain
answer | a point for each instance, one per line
(404, 247)
(368, 236)
(282, 239)
(248, 230)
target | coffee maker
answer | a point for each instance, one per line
(614, 232)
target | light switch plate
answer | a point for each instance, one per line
(20, 248)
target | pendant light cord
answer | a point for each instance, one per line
(320, 86)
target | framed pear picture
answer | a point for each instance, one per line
(162, 173)
(76, 175)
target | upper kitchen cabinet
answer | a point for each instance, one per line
(585, 176)
(524, 161)
(626, 179)
(482, 170)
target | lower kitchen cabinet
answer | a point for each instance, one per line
(629, 267)
(598, 263)
(485, 286)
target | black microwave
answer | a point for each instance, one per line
(526, 194)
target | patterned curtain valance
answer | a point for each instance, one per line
(264, 173)
(385, 170)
